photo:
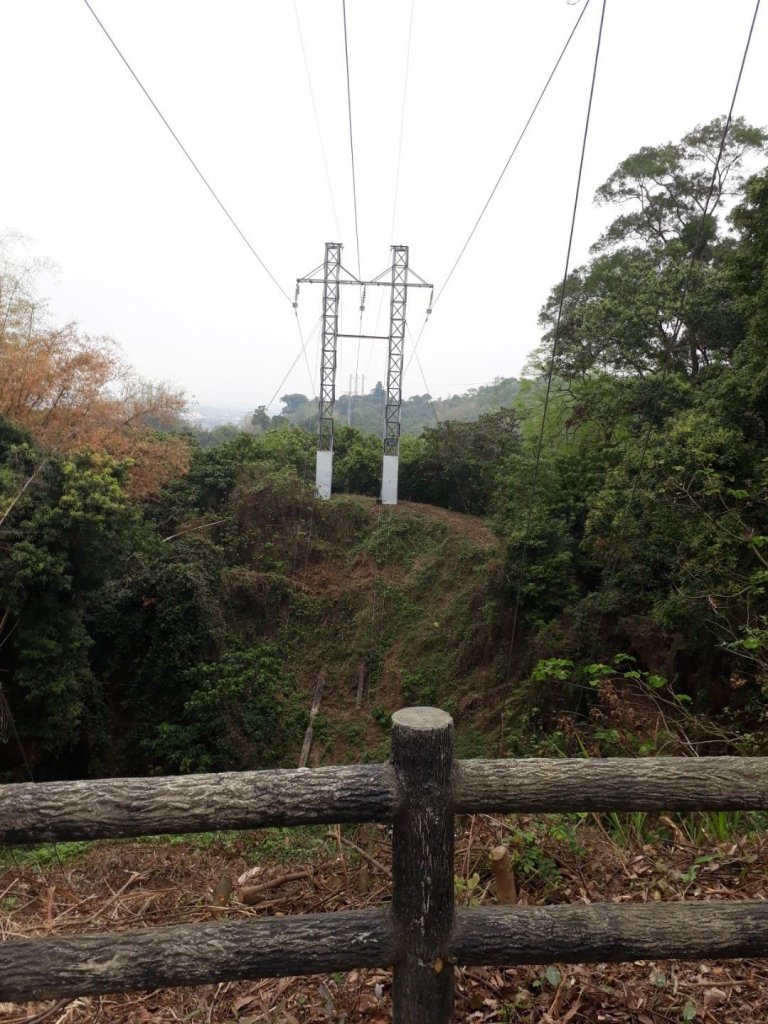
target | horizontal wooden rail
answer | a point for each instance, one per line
(610, 932)
(422, 934)
(194, 954)
(541, 785)
(112, 808)
(197, 954)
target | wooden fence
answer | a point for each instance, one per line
(422, 934)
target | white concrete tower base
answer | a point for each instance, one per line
(324, 474)
(389, 472)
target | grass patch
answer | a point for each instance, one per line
(44, 855)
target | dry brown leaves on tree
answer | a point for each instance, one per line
(73, 391)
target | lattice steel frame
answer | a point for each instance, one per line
(397, 304)
(331, 295)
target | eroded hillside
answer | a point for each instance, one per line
(397, 605)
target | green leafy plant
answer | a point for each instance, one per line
(381, 717)
(243, 712)
(466, 890)
(628, 829)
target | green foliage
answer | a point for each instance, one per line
(623, 669)
(381, 717)
(43, 856)
(630, 829)
(560, 669)
(67, 521)
(456, 464)
(291, 845)
(650, 506)
(421, 688)
(241, 712)
(357, 462)
(467, 890)
(527, 852)
(662, 189)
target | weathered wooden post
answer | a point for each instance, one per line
(422, 866)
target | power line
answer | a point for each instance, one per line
(351, 139)
(520, 138)
(555, 337)
(304, 348)
(317, 120)
(302, 352)
(184, 150)
(424, 379)
(504, 170)
(300, 511)
(354, 175)
(402, 124)
(397, 170)
(686, 289)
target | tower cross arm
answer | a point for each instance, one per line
(366, 284)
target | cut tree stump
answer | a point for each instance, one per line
(501, 865)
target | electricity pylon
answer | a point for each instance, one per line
(397, 277)
(331, 296)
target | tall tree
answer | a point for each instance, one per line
(653, 295)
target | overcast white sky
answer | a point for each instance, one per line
(90, 174)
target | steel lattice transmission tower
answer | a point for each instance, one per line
(397, 305)
(331, 296)
(399, 278)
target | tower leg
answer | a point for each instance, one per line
(389, 473)
(324, 474)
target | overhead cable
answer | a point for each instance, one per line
(351, 138)
(427, 392)
(317, 120)
(505, 168)
(686, 287)
(520, 138)
(402, 124)
(399, 160)
(184, 150)
(302, 352)
(556, 332)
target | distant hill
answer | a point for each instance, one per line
(367, 411)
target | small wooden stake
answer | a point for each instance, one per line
(361, 687)
(222, 893)
(307, 744)
(501, 865)
(422, 866)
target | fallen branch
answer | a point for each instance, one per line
(250, 893)
(366, 856)
(192, 529)
(42, 1015)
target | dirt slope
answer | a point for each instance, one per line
(408, 595)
